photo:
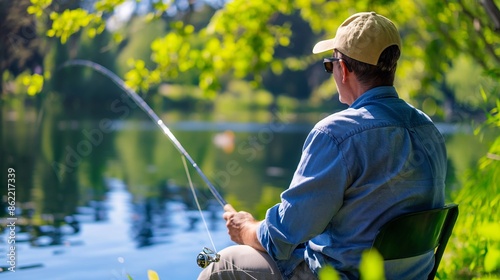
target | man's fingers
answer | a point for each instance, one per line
(229, 212)
(227, 215)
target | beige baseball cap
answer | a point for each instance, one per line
(363, 37)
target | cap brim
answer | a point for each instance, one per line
(323, 46)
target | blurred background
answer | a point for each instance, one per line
(100, 191)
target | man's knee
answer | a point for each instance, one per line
(241, 262)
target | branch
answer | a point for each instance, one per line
(492, 11)
(472, 17)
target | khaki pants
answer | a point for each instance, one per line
(242, 262)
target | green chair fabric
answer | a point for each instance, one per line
(417, 233)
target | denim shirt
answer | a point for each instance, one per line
(359, 168)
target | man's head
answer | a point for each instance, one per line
(369, 44)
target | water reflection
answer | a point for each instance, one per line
(152, 218)
(53, 230)
(155, 229)
(47, 230)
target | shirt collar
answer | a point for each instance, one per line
(373, 94)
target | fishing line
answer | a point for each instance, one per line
(196, 200)
(145, 107)
(207, 256)
(241, 269)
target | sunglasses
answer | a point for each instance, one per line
(328, 63)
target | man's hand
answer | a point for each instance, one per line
(242, 227)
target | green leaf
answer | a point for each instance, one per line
(38, 6)
(492, 260)
(107, 6)
(490, 231)
(328, 273)
(152, 275)
(117, 37)
(33, 83)
(32, 10)
(92, 32)
(371, 266)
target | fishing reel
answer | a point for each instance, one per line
(207, 257)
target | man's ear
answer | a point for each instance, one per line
(345, 72)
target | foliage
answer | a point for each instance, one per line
(137, 37)
(328, 273)
(152, 275)
(242, 39)
(34, 83)
(466, 80)
(20, 48)
(37, 7)
(474, 250)
(371, 267)
(241, 47)
(440, 45)
(71, 21)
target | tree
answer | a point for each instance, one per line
(21, 46)
(243, 37)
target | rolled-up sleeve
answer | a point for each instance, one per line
(313, 198)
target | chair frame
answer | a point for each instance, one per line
(417, 233)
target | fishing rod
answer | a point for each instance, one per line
(147, 109)
(206, 256)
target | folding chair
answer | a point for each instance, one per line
(416, 233)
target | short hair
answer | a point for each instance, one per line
(380, 75)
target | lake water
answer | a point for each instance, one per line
(104, 197)
(109, 249)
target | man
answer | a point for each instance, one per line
(360, 167)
